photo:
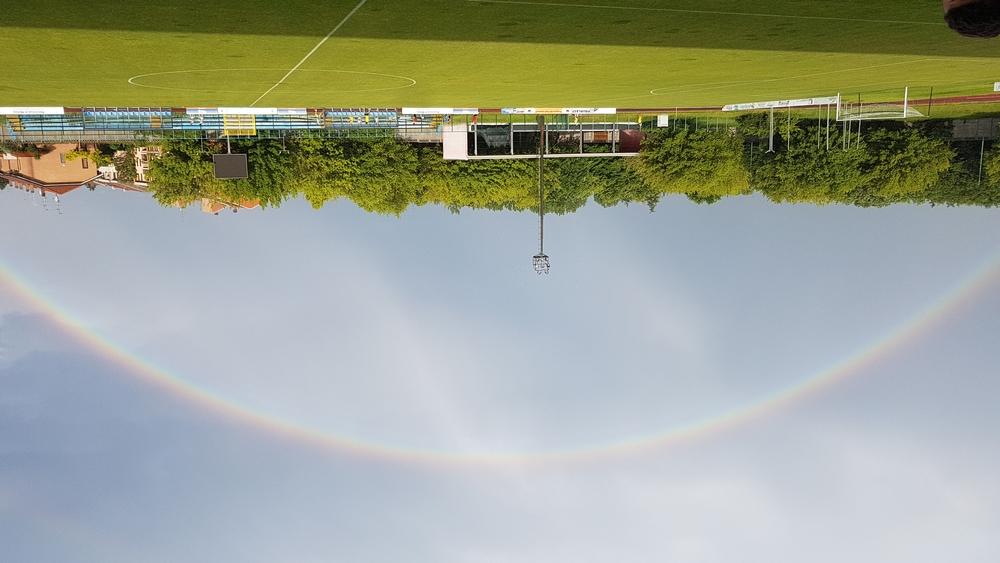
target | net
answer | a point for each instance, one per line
(887, 110)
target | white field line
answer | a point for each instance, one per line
(703, 86)
(715, 12)
(716, 85)
(310, 53)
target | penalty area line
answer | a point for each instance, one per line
(711, 12)
(310, 53)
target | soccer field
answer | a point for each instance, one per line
(391, 53)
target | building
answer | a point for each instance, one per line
(214, 207)
(49, 173)
(142, 157)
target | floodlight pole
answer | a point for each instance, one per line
(982, 152)
(860, 110)
(540, 261)
(770, 141)
(512, 135)
(844, 137)
(827, 127)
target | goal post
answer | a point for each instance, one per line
(860, 111)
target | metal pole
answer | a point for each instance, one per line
(930, 99)
(906, 100)
(789, 139)
(843, 137)
(545, 135)
(982, 150)
(614, 133)
(541, 193)
(770, 141)
(827, 127)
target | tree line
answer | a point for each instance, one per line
(386, 176)
(889, 162)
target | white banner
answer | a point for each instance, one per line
(32, 111)
(802, 102)
(246, 111)
(590, 111)
(440, 111)
(559, 111)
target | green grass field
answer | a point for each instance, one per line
(621, 53)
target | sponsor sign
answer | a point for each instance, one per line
(663, 121)
(559, 111)
(590, 111)
(246, 111)
(996, 86)
(802, 102)
(440, 111)
(32, 111)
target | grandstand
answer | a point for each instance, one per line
(488, 133)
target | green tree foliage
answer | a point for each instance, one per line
(991, 166)
(962, 183)
(899, 164)
(480, 184)
(807, 172)
(98, 158)
(379, 176)
(610, 180)
(124, 162)
(892, 163)
(704, 165)
(34, 149)
(183, 174)
(756, 124)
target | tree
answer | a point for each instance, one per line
(806, 173)
(481, 184)
(183, 174)
(705, 165)
(609, 180)
(962, 184)
(379, 175)
(98, 158)
(901, 163)
(124, 162)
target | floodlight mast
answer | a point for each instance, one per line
(540, 261)
(770, 139)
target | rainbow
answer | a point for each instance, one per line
(973, 284)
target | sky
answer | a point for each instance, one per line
(311, 386)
